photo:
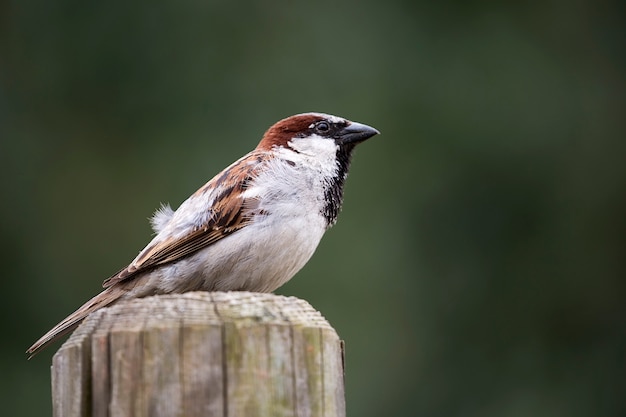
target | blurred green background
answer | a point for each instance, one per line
(478, 266)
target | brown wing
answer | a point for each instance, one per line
(229, 214)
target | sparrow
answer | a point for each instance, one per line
(250, 228)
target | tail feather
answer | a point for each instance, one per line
(103, 299)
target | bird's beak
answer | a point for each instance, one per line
(355, 133)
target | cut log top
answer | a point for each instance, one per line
(235, 353)
(201, 308)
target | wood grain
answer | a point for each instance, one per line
(201, 354)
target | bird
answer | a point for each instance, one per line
(252, 227)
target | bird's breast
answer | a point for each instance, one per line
(259, 257)
(263, 255)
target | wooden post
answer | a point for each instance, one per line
(201, 354)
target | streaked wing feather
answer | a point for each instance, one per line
(170, 251)
(229, 215)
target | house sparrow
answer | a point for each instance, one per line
(251, 227)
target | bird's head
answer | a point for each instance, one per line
(312, 133)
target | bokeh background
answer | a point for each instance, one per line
(478, 266)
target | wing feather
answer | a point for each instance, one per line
(229, 213)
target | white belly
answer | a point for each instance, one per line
(259, 257)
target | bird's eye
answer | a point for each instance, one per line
(322, 127)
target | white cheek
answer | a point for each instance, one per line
(313, 152)
(320, 147)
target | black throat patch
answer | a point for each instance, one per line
(333, 193)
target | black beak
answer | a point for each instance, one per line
(355, 133)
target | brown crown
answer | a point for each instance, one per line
(285, 130)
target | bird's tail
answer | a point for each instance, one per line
(103, 299)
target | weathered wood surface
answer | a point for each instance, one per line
(201, 354)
